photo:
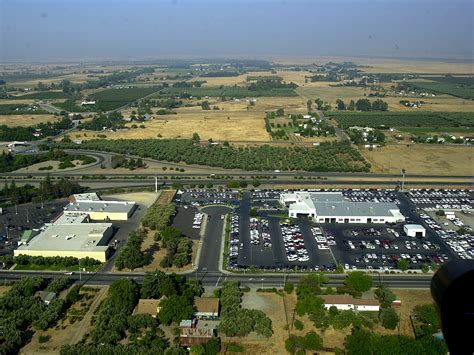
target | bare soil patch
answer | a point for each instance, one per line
(25, 120)
(422, 159)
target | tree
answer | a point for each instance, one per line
(363, 105)
(425, 268)
(385, 296)
(309, 105)
(359, 281)
(280, 112)
(440, 213)
(403, 264)
(389, 318)
(213, 346)
(351, 106)
(288, 287)
(340, 104)
(312, 341)
(196, 138)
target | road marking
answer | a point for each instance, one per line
(217, 283)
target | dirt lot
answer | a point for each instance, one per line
(422, 159)
(144, 198)
(68, 331)
(218, 125)
(25, 120)
(274, 306)
(4, 289)
(166, 196)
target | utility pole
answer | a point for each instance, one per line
(156, 184)
(403, 179)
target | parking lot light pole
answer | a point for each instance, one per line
(403, 179)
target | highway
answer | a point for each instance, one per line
(216, 278)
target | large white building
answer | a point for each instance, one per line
(77, 240)
(333, 207)
(102, 210)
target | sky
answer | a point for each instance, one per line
(78, 30)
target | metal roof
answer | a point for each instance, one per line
(348, 209)
(100, 206)
(70, 237)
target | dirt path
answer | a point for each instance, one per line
(86, 321)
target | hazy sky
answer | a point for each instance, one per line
(39, 30)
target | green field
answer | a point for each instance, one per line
(11, 77)
(12, 109)
(45, 95)
(111, 99)
(404, 119)
(227, 91)
(465, 91)
(436, 129)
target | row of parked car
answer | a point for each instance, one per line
(197, 221)
(259, 232)
(441, 198)
(234, 240)
(460, 241)
(323, 241)
(413, 259)
(371, 195)
(294, 243)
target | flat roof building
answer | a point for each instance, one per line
(346, 302)
(102, 210)
(75, 240)
(87, 196)
(414, 230)
(333, 207)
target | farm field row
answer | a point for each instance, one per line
(403, 119)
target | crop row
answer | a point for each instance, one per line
(326, 157)
(403, 119)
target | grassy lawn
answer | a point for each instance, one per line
(55, 267)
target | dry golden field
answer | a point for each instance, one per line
(218, 125)
(384, 65)
(25, 120)
(422, 159)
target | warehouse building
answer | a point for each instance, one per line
(102, 210)
(414, 230)
(333, 207)
(74, 240)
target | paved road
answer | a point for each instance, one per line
(211, 246)
(216, 278)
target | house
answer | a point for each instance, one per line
(148, 306)
(207, 308)
(347, 302)
(192, 333)
(45, 296)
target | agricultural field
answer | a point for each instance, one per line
(26, 120)
(46, 95)
(463, 90)
(403, 119)
(21, 109)
(218, 125)
(229, 91)
(111, 99)
(326, 157)
(422, 159)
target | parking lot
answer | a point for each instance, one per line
(269, 240)
(15, 220)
